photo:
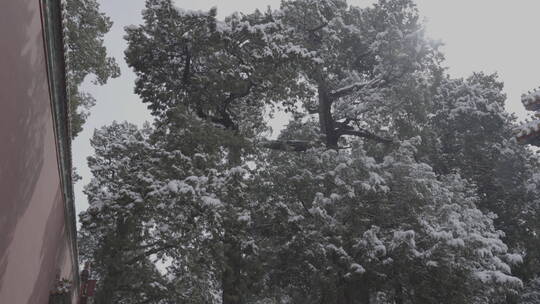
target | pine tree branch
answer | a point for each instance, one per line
(346, 90)
(320, 27)
(149, 253)
(289, 145)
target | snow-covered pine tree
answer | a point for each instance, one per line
(161, 196)
(86, 55)
(344, 228)
(112, 228)
(219, 72)
(531, 292)
(356, 58)
(469, 132)
(356, 217)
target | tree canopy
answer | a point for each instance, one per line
(392, 183)
(86, 55)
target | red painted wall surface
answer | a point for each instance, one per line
(33, 240)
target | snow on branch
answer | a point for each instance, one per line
(334, 94)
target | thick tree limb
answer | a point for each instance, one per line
(323, 25)
(304, 145)
(187, 67)
(365, 134)
(149, 253)
(346, 90)
(223, 116)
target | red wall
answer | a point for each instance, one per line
(33, 240)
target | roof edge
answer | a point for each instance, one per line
(54, 43)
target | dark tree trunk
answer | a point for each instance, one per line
(111, 282)
(331, 129)
(329, 294)
(326, 120)
(364, 294)
(351, 293)
(398, 289)
(231, 281)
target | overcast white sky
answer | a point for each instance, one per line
(479, 35)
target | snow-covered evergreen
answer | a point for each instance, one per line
(393, 183)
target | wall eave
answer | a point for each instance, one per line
(54, 41)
